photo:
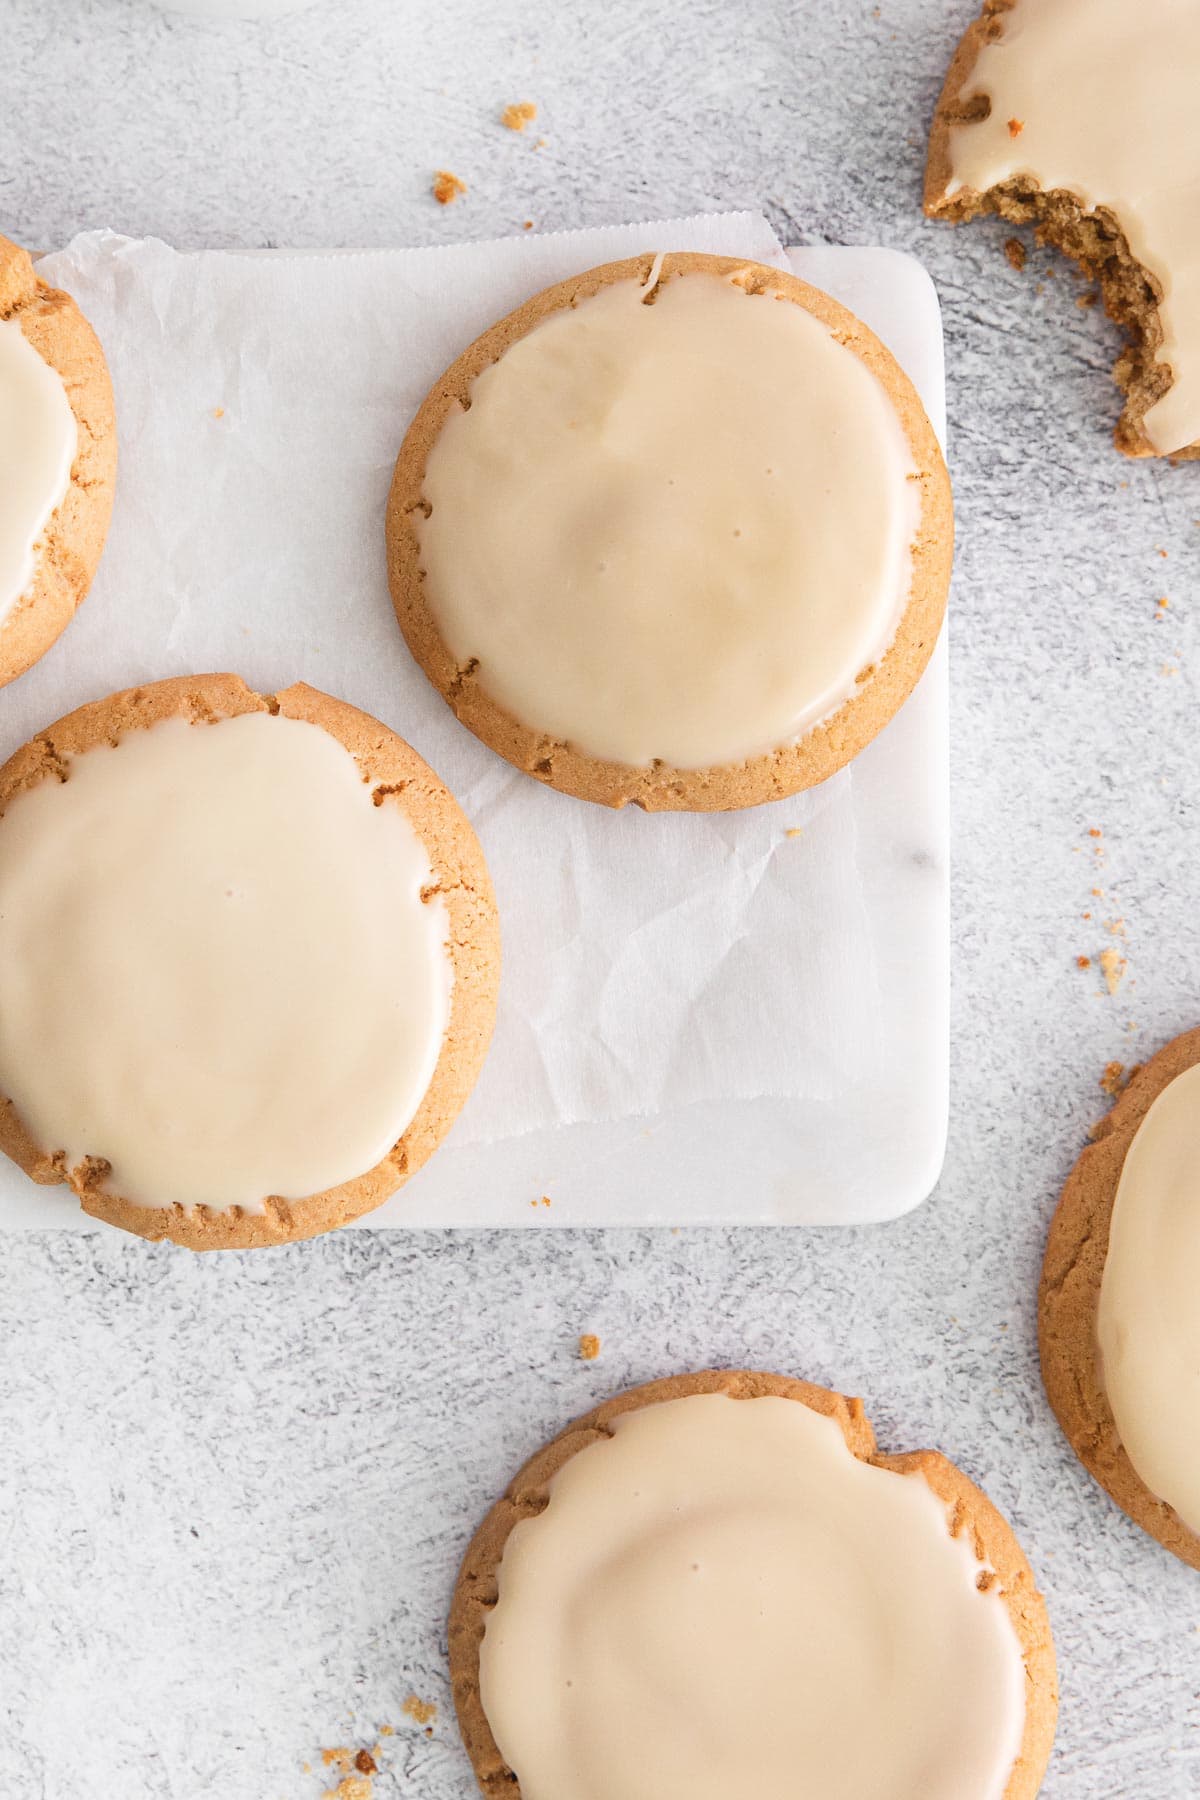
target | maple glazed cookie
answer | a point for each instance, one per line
(58, 460)
(676, 532)
(1117, 1315)
(1081, 115)
(716, 1585)
(248, 961)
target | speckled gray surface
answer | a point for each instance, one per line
(233, 1492)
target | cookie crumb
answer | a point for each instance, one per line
(1114, 1079)
(1162, 606)
(337, 1758)
(520, 114)
(794, 831)
(1083, 962)
(1113, 966)
(218, 412)
(1015, 127)
(447, 187)
(423, 1711)
(589, 1346)
(350, 1787)
(1016, 253)
(1083, 301)
(387, 1731)
(528, 225)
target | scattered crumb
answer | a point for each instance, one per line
(1169, 669)
(1088, 299)
(1113, 965)
(589, 1346)
(423, 1711)
(387, 1731)
(794, 831)
(528, 226)
(520, 114)
(541, 144)
(447, 187)
(350, 1787)
(365, 1763)
(1083, 962)
(1087, 915)
(544, 1201)
(1015, 251)
(1097, 893)
(1094, 831)
(1164, 553)
(1114, 1078)
(218, 412)
(338, 1758)
(1015, 127)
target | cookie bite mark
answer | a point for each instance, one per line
(1106, 163)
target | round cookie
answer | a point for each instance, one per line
(968, 1512)
(72, 542)
(860, 709)
(1069, 1300)
(444, 846)
(1093, 141)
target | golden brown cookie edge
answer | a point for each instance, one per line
(1069, 1298)
(51, 321)
(968, 1509)
(823, 750)
(456, 858)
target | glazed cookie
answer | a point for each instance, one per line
(1117, 1320)
(688, 1595)
(1080, 115)
(675, 532)
(58, 461)
(248, 961)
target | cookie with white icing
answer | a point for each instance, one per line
(676, 532)
(58, 460)
(1080, 116)
(249, 959)
(1117, 1315)
(717, 1585)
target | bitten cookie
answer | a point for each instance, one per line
(1120, 1345)
(249, 959)
(675, 532)
(1080, 116)
(686, 1596)
(58, 460)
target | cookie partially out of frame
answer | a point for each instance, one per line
(1069, 1299)
(968, 1511)
(70, 552)
(1096, 238)
(401, 779)
(823, 749)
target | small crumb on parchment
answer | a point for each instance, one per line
(520, 114)
(218, 412)
(1114, 1078)
(544, 1201)
(1015, 127)
(1014, 250)
(794, 831)
(589, 1346)
(447, 187)
(423, 1711)
(1083, 962)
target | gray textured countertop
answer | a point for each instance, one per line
(234, 1491)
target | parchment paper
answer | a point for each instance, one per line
(654, 967)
